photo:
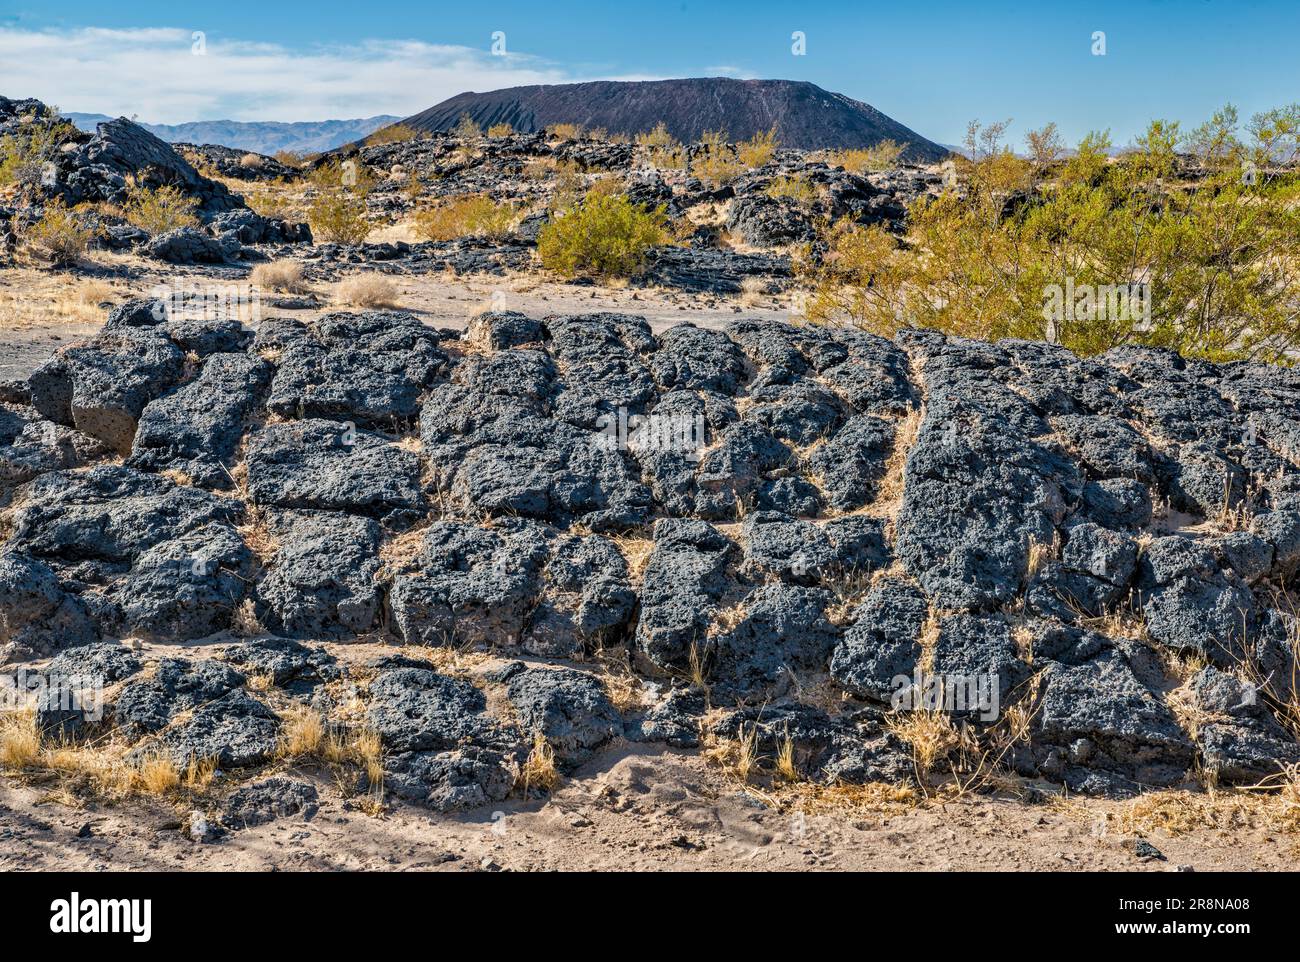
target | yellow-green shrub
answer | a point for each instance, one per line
(1220, 254)
(758, 150)
(500, 130)
(24, 153)
(604, 235)
(474, 216)
(158, 210)
(564, 131)
(59, 235)
(797, 189)
(881, 156)
(392, 134)
(718, 163)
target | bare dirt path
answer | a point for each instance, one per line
(630, 808)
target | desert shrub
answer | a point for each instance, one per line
(290, 158)
(274, 199)
(251, 161)
(797, 189)
(564, 131)
(160, 209)
(338, 216)
(467, 129)
(285, 276)
(1216, 258)
(718, 163)
(337, 212)
(392, 134)
(500, 130)
(366, 290)
(59, 235)
(662, 149)
(604, 234)
(757, 150)
(476, 215)
(658, 137)
(24, 153)
(881, 156)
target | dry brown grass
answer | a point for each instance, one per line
(785, 763)
(1041, 553)
(282, 276)
(20, 742)
(889, 494)
(930, 734)
(157, 775)
(636, 552)
(620, 682)
(874, 798)
(539, 769)
(302, 735)
(366, 290)
(31, 298)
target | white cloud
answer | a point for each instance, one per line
(154, 73)
(726, 70)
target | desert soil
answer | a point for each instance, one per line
(630, 808)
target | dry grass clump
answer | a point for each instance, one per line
(20, 742)
(929, 733)
(539, 769)
(1040, 554)
(392, 134)
(718, 164)
(362, 747)
(157, 775)
(500, 130)
(252, 161)
(283, 276)
(302, 734)
(796, 189)
(366, 290)
(738, 756)
(619, 680)
(785, 763)
(842, 799)
(85, 298)
(636, 552)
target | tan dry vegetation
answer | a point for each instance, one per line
(280, 276)
(32, 298)
(366, 290)
(539, 769)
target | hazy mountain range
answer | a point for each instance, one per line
(260, 137)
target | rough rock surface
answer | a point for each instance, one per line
(758, 513)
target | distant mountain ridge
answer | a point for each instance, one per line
(804, 115)
(261, 137)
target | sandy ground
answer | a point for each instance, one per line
(40, 312)
(633, 806)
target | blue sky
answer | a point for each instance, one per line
(932, 66)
